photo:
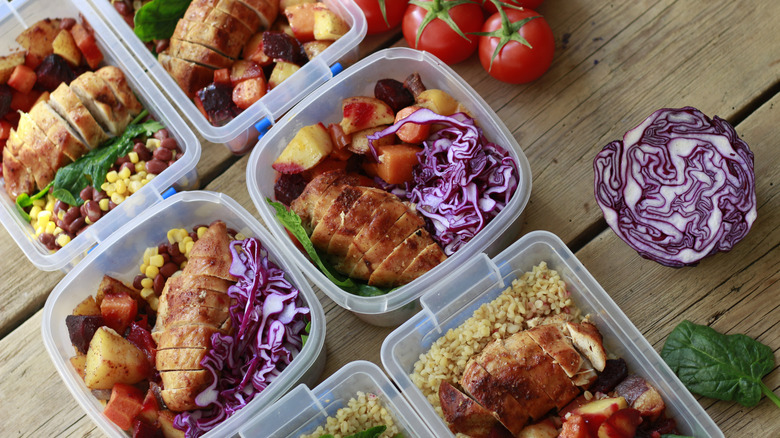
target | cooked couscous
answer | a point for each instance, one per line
(361, 413)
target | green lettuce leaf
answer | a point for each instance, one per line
(157, 19)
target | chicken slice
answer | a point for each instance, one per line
(172, 359)
(65, 102)
(100, 100)
(50, 153)
(190, 76)
(329, 196)
(464, 415)
(358, 216)
(266, 10)
(241, 11)
(205, 282)
(427, 259)
(215, 317)
(493, 395)
(18, 178)
(588, 341)
(30, 160)
(407, 224)
(198, 54)
(541, 368)
(193, 382)
(204, 13)
(554, 342)
(380, 224)
(225, 42)
(35, 151)
(211, 254)
(181, 399)
(117, 81)
(178, 298)
(58, 131)
(335, 217)
(304, 205)
(191, 336)
(517, 378)
(388, 272)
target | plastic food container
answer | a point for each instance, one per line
(324, 105)
(120, 255)
(482, 279)
(303, 409)
(240, 134)
(14, 18)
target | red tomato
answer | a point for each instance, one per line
(438, 37)
(372, 9)
(528, 4)
(517, 63)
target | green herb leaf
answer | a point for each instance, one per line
(93, 166)
(373, 432)
(24, 200)
(157, 19)
(292, 222)
(305, 337)
(725, 367)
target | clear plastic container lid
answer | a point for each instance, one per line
(240, 133)
(481, 280)
(324, 106)
(119, 256)
(303, 409)
(14, 18)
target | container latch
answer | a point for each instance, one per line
(168, 193)
(336, 68)
(262, 127)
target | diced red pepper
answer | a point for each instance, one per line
(118, 311)
(141, 338)
(124, 405)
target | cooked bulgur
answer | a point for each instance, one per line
(540, 292)
(361, 413)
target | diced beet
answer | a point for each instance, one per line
(6, 95)
(53, 71)
(288, 187)
(142, 429)
(393, 93)
(141, 338)
(414, 84)
(614, 372)
(217, 101)
(81, 329)
(280, 46)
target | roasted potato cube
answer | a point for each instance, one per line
(314, 48)
(38, 38)
(328, 25)
(361, 112)
(280, 73)
(309, 146)
(113, 359)
(65, 46)
(8, 63)
(438, 101)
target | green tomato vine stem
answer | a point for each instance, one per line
(438, 9)
(508, 32)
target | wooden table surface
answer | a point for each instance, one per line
(615, 63)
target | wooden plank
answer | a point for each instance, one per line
(735, 292)
(624, 60)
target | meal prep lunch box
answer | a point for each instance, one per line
(324, 105)
(481, 280)
(303, 409)
(120, 255)
(14, 18)
(240, 133)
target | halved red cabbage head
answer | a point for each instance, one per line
(269, 318)
(462, 181)
(678, 188)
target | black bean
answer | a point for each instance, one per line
(143, 153)
(169, 269)
(71, 215)
(169, 143)
(162, 134)
(137, 281)
(162, 248)
(173, 249)
(122, 160)
(77, 225)
(86, 193)
(159, 284)
(162, 154)
(48, 240)
(156, 167)
(59, 205)
(92, 211)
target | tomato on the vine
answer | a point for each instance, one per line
(516, 46)
(379, 20)
(442, 27)
(490, 7)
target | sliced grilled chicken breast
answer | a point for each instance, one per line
(405, 226)
(18, 178)
(32, 162)
(266, 10)
(356, 218)
(427, 259)
(228, 43)
(304, 205)
(117, 81)
(65, 102)
(465, 415)
(100, 100)
(375, 230)
(198, 54)
(188, 316)
(492, 394)
(203, 13)
(190, 76)
(554, 342)
(58, 130)
(30, 133)
(335, 217)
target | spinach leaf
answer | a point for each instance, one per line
(292, 222)
(725, 367)
(24, 200)
(373, 432)
(157, 19)
(305, 337)
(92, 167)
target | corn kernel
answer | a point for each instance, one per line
(147, 292)
(57, 231)
(140, 167)
(152, 144)
(240, 236)
(133, 156)
(112, 176)
(134, 177)
(60, 214)
(189, 246)
(44, 215)
(103, 203)
(147, 282)
(35, 211)
(50, 227)
(39, 230)
(104, 187)
(157, 260)
(152, 271)
(87, 221)
(121, 187)
(150, 177)
(183, 264)
(134, 186)
(142, 174)
(116, 198)
(63, 239)
(171, 235)
(201, 231)
(40, 203)
(124, 173)
(49, 203)
(109, 188)
(153, 303)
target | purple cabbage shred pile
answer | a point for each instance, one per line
(462, 182)
(268, 318)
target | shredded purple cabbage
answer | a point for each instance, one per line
(463, 181)
(269, 318)
(678, 188)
